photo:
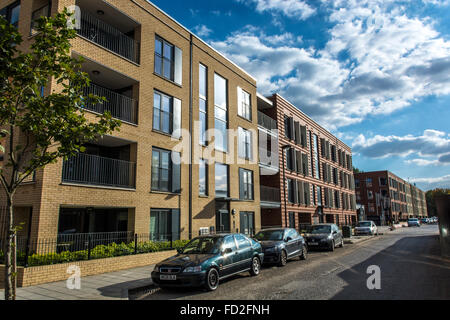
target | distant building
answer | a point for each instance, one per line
(387, 197)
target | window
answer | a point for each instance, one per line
(166, 114)
(164, 224)
(289, 127)
(292, 220)
(221, 113)
(203, 105)
(41, 12)
(316, 157)
(221, 175)
(203, 178)
(168, 60)
(369, 194)
(242, 241)
(166, 171)
(244, 104)
(357, 183)
(11, 13)
(245, 184)
(319, 196)
(369, 182)
(245, 144)
(247, 223)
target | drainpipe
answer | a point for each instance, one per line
(191, 145)
(284, 184)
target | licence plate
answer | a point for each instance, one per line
(167, 277)
(313, 244)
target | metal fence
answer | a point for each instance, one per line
(95, 170)
(88, 246)
(120, 106)
(109, 37)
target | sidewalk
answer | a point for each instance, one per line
(108, 286)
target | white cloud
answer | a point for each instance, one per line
(432, 183)
(432, 144)
(378, 60)
(202, 31)
(298, 9)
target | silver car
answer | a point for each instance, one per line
(413, 222)
(366, 228)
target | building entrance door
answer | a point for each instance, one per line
(222, 217)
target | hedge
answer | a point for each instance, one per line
(98, 252)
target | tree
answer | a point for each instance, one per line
(356, 170)
(431, 200)
(39, 130)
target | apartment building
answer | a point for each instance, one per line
(307, 175)
(387, 197)
(164, 173)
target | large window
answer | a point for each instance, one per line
(245, 144)
(11, 13)
(221, 180)
(166, 114)
(244, 104)
(41, 12)
(203, 178)
(245, 184)
(221, 113)
(316, 157)
(203, 105)
(164, 224)
(168, 60)
(166, 171)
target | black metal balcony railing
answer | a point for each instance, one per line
(266, 122)
(109, 37)
(100, 171)
(270, 194)
(120, 106)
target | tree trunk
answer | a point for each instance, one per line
(10, 265)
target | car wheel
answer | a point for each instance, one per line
(304, 253)
(212, 279)
(332, 247)
(256, 267)
(283, 258)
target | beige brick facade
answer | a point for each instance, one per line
(48, 194)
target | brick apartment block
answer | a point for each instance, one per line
(387, 197)
(314, 182)
(157, 77)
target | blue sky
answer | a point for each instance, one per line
(374, 72)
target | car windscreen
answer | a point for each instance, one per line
(319, 229)
(204, 245)
(364, 224)
(270, 235)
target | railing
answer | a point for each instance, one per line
(270, 194)
(95, 170)
(121, 107)
(268, 158)
(267, 122)
(108, 37)
(88, 246)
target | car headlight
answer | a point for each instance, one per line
(193, 269)
(156, 269)
(330, 237)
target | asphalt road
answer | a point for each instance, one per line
(409, 261)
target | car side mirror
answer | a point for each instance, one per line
(227, 251)
(288, 239)
(335, 232)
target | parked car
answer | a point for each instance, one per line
(413, 222)
(325, 235)
(280, 245)
(206, 260)
(366, 228)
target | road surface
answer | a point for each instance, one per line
(410, 268)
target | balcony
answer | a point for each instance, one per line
(105, 163)
(267, 123)
(120, 91)
(108, 27)
(270, 197)
(120, 106)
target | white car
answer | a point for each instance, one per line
(366, 228)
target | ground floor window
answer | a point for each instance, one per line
(90, 220)
(292, 220)
(164, 224)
